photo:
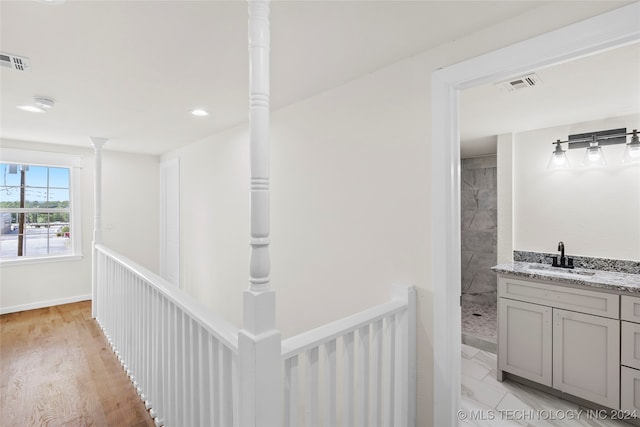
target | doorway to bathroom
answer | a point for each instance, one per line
(612, 29)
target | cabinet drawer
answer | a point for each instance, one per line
(630, 391)
(583, 301)
(630, 355)
(630, 308)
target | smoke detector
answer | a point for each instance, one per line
(43, 102)
(520, 82)
(40, 105)
(16, 62)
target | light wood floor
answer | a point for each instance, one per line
(57, 370)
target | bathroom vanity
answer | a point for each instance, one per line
(574, 331)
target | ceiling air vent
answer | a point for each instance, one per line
(520, 82)
(16, 62)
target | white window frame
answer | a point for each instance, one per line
(74, 163)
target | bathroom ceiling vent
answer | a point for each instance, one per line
(520, 83)
(16, 62)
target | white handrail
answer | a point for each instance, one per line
(217, 326)
(325, 333)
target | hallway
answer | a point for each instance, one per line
(58, 369)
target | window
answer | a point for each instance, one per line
(39, 205)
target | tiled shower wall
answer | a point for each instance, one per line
(479, 228)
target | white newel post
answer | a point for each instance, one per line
(97, 218)
(259, 342)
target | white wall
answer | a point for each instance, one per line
(350, 195)
(594, 211)
(130, 217)
(505, 198)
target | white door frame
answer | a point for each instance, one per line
(612, 29)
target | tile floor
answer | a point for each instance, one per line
(479, 324)
(488, 402)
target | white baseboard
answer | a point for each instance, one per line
(42, 304)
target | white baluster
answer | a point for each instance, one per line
(215, 386)
(227, 388)
(401, 369)
(389, 395)
(330, 383)
(174, 344)
(194, 374)
(312, 381)
(236, 389)
(347, 378)
(363, 377)
(183, 374)
(136, 330)
(155, 345)
(148, 333)
(205, 397)
(376, 375)
(291, 392)
(163, 358)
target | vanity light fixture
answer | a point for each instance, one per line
(558, 158)
(632, 150)
(593, 142)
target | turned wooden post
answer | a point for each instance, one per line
(97, 218)
(259, 341)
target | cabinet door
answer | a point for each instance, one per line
(524, 340)
(630, 391)
(586, 357)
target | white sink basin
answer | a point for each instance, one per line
(560, 270)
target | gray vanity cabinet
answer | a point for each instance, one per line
(563, 337)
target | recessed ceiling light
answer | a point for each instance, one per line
(30, 108)
(199, 112)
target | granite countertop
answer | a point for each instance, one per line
(579, 276)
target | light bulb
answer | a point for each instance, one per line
(635, 152)
(594, 156)
(559, 159)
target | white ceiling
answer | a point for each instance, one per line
(131, 71)
(595, 87)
